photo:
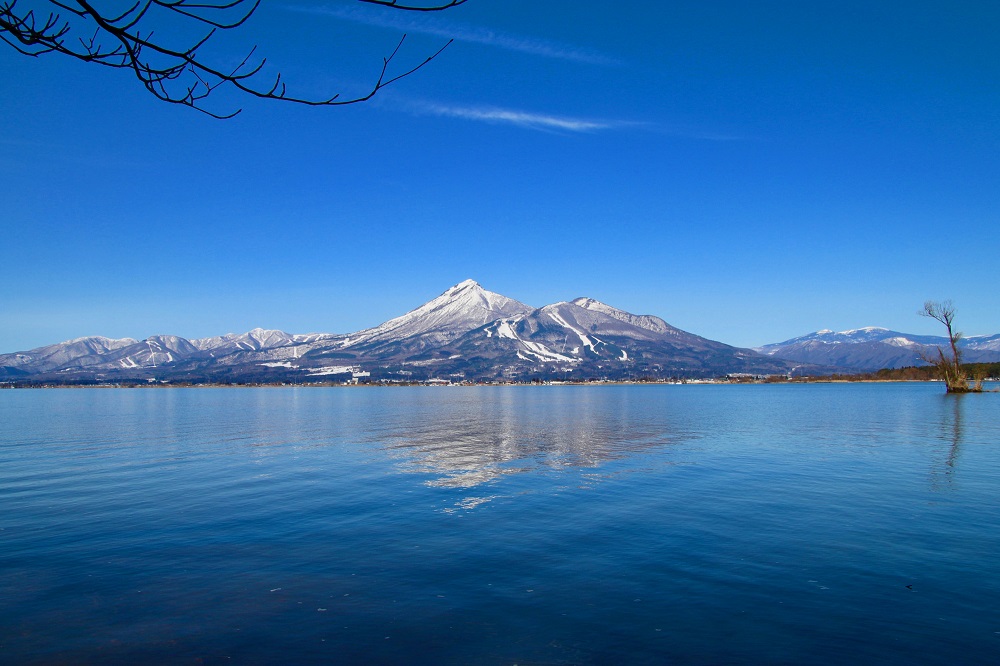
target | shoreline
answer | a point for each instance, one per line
(370, 385)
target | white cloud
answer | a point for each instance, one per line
(459, 32)
(526, 119)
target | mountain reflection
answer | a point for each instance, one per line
(474, 442)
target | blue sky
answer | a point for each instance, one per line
(749, 171)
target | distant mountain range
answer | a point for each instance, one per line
(873, 348)
(469, 333)
(466, 333)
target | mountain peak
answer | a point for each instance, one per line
(865, 329)
(648, 322)
(467, 331)
(459, 309)
(464, 284)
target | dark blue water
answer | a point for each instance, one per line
(616, 524)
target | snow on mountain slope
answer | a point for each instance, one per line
(649, 322)
(566, 338)
(154, 351)
(459, 309)
(562, 333)
(79, 351)
(588, 327)
(466, 331)
(874, 348)
(565, 332)
(853, 336)
(983, 342)
(254, 340)
(525, 348)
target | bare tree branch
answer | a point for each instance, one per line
(174, 75)
(414, 8)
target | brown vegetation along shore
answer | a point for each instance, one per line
(977, 372)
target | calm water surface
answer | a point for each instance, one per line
(615, 524)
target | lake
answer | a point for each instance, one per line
(820, 523)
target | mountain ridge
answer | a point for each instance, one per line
(470, 333)
(873, 348)
(466, 332)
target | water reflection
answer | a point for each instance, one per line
(952, 433)
(475, 441)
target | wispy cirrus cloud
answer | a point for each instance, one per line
(518, 118)
(437, 27)
(560, 123)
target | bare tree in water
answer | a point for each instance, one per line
(949, 367)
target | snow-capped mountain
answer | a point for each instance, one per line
(569, 340)
(255, 340)
(79, 352)
(459, 309)
(648, 322)
(874, 348)
(153, 351)
(982, 342)
(465, 332)
(561, 332)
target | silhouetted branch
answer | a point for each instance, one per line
(174, 75)
(414, 8)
